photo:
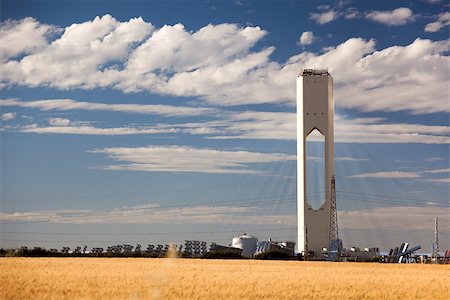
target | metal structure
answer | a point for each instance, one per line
(334, 232)
(335, 244)
(401, 254)
(436, 241)
(315, 111)
(245, 242)
(194, 248)
(286, 247)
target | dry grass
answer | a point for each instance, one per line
(138, 278)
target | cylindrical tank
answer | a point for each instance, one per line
(245, 242)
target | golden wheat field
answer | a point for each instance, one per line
(140, 278)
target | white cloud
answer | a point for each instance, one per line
(59, 122)
(342, 158)
(232, 125)
(186, 159)
(78, 57)
(381, 219)
(23, 37)
(65, 126)
(390, 175)
(69, 104)
(278, 125)
(442, 21)
(433, 159)
(352, 13)
(8, 116)
(376, 130)
(216, 64)
(324, 17)
(399, 16)
(440, 180)
(438, 171)
(395, 218)
(154, 214)
(306, 38)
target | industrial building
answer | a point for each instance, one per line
(245, 242)
(286, 247)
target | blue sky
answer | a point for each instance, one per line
(160, 121)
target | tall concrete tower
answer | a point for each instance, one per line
(315, 110)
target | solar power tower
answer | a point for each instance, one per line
(315, 111)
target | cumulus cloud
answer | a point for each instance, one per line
(187, 159)
(324, 17)
(8, 116)
(390, 175)
(23, 37)
(306, 38)
(69, 105)
(218, 64)
(396, 17)
(442, 21)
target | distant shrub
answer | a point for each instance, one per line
(272, 255)
(221, 255)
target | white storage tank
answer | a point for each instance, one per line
(245, 242)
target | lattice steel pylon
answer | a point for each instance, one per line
(335, 244)
(436, 240)
(334, 233)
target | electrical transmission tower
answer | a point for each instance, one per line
(334, 234)
(436, 240)
(335, 244)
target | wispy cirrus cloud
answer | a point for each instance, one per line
(254, 125)
(389, 175)
(154, 214)
(75, 129)
(262, 125)
(380, 218)
(439, 180)
(182, 159)
(388, 218)
(73, 105)
(438, 171)
(405, 175)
